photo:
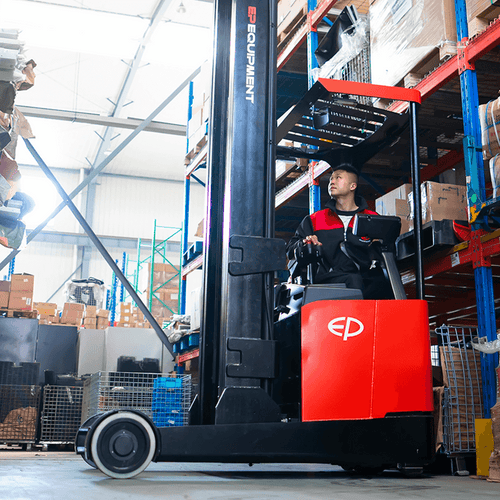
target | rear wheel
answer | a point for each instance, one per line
(81, 447)
(123, 445)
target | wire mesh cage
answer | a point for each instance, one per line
(61, 414)
(358, 70)
(19, 406)
(163, 397)
(462, 402)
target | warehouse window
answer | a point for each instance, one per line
(46, 200)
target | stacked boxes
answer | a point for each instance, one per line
(405, 36)
(21, 292)
(126, 318)
(290, 12)
(72, 314)
(4, 294)
(90, 318)
(102, 316)
(480, 13)
(47, 313)
(166, 288)
(396, 203)
(439, 202)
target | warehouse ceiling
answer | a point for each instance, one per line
(102, 58)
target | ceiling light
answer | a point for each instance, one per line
(181, 9)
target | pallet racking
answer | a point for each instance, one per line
(461, 282)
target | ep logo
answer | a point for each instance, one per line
(342, 327)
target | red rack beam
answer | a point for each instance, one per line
(477, 47)
(444, 163)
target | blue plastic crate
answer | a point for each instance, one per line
(194, 340)
(183, 344)
(166, 419)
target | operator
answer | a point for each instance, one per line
(346, 258)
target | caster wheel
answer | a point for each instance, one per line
(80, 439)
(123, 445)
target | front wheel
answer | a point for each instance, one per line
(123, 445)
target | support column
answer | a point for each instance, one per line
(312, 63)
(476, 186)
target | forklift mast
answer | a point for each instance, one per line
(237, 352)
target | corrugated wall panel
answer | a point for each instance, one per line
(50, 263)
(128, 207)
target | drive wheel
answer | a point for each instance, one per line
(81, 438)
(123, 445)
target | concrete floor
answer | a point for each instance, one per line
(62, 475)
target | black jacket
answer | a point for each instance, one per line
(329, 228)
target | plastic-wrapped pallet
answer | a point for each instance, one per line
(89, 292)
(404, 35)
(489, 117)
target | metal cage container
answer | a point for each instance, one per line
(462, 402)
(61, 414)
(165, 398)
(19, 406)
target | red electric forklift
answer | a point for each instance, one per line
(312, 373)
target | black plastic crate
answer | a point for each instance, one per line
(23, 374)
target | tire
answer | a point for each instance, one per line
(123, 445)
(81, 447)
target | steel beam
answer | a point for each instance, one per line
(81, 239)
(107, 136)
(95, 172)
(105, 121)
(95, 240)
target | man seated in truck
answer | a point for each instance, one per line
(345, 257)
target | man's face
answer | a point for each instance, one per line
(341, 184)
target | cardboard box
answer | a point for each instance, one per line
(45, 308)
(4, 286)
(73, 317)
(102, 327)
(21, 301)
(54, 320)
(441, 202)
(73, 306)
(289, 13)
(199, 229)
(395, 202)
(386, 204)
(102, 321)
(90, 322)
(489, 118)
(91, 312)
(22, 282)
(4, 300)
(404, 35)
(102, 313)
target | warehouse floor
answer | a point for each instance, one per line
(63, 475)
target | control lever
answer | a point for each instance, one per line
(306, 256)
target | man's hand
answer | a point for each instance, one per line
(313, 239)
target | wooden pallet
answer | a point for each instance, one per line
(14, 313)
(199, 146)
(429, 63)
(287, 32)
